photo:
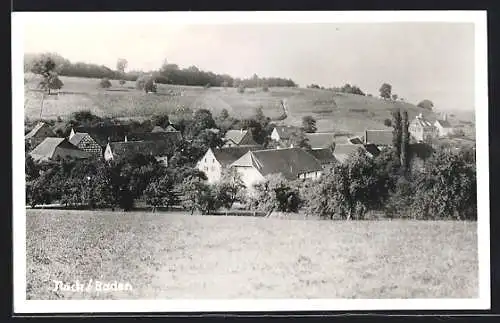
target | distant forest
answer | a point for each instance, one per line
(168, 73)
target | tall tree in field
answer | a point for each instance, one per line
(309, 124)
(385, 91)
(405, 141)
(397, 133)
(121, 65)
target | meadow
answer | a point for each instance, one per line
(333, 111)
(174, 255)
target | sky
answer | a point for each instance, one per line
(420, 60)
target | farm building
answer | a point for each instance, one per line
(85, 142)
(216, 160)
(281, 133)
(380, 138)
(127, 149)
(41, 131)
(52, 148)
(443, 126)
(103, 134)
(421, 129)
(292, 163)
(238, 138)
(342, 152)
(321, 140)
(324, 156)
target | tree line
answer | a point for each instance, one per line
(168, 73)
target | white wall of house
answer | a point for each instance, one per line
(274, 135)
(249, 176)
(210, 166)
(443, 131)
(108, 154)
(312, 175)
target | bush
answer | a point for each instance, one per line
(105, 83)
(241, 89)
(122, 82)
(265, 88)
(388, 122)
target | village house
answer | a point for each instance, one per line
(52, 148)
(343, 152)
(321, 140)
(216, 160)
(238, 138)
(283, 133)
(421, 129)
(292, 163)
(380, 138)
(324, 156)
(443, 126)
(102, 134)
(41, 131)
(126, 149)
(85, 142)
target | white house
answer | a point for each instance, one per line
(443, 126)
(292, 163)
(421, 129)
(216, 160)
(238, 138)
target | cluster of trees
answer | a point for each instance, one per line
(348, 88)
(168, 73)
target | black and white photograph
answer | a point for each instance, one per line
(239, 161)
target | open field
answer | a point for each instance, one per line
(334, 111)
(170, 255)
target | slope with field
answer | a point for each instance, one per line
(333, 111)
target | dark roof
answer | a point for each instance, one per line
(422, 122)
(321, 139)
(355, 141)
(378, 137)
(289, 162)
(227, 155)
(37, 128)
(102, 133)
(46, 149)
(286, 131)
(343, 151)
(372, 149)
(172, 137)
(130, 148)
(77, 138)
(235, 135)
(444, 123)
(323, 155)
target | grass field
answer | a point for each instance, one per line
(171, 255)
(334, 111)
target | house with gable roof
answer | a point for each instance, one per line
(283, 133)
(85, 142)
(422, 129)
(41, 131)
(292, 163)
(238, 138)
(52, 148)
(443, 126)
(217, 159)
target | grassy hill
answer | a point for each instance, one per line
(333, 111)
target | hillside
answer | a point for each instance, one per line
(333, 111)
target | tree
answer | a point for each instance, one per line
(299, 140)
(160, 119)
(121, 65)
(230, 188)
(388, 122)
(275, 193)
(309, 124)
(150, 85)
(394, 97)
(45, 66)
(385, 91)
(397, 133)
(426, 104)
(241, 88)
(405, 142)
(105, 83)
(202, 119)
(159, 192)
(195, 195)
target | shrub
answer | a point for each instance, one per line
(265, 88)
(105, 83)
(122, 82)
(241, 88)
(388, 122)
